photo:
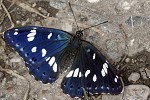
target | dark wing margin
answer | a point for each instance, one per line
(42, 49)
(92, 71)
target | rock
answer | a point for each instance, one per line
(112, 97)
(136, 92)
(131, 92)
(134, 77)
(135, 21)
(145, 73)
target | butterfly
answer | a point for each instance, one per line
(43, 50)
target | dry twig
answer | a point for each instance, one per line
(5, 9)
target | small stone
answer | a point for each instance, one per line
(127, 60)
(15, 60)
(126, 5)
(18, 22)
(136, 92)
(145, 73)
(34, 4)
(40, 8)
(134, 77)
(135, 21)
(58, 4)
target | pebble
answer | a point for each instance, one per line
(34, 4)
(126, 4)
(134, 77)
(127, 60)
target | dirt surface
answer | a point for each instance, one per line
(124, 40)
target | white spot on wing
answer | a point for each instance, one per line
(80, 74)
(94, 56)
(49, 36)
(105, 66)
(106, 61)
(43, 52)
(70, 74)
(55, 67)
(117, 76)
(115, 79)
(16, 29)
(16, 33)
(35, 28)
(30, 39)
(52, 60)
(31, 34)
(34, 49)
(103, 72)
(33, 31)
(47, 59)
(87, 73)
(76, 72)
(94, 78)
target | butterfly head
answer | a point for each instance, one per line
(79, 33)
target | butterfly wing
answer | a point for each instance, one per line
(41, 48)
(91, 71)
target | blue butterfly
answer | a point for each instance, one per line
(43, 50)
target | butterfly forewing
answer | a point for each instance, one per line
(92, 71)
(41, 48)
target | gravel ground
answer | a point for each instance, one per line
(124, 40)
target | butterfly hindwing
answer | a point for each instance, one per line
(41, 48)
(91, 71)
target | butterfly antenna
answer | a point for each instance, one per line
(94, 26)
(73, 16)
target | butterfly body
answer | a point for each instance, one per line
(43, 50)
